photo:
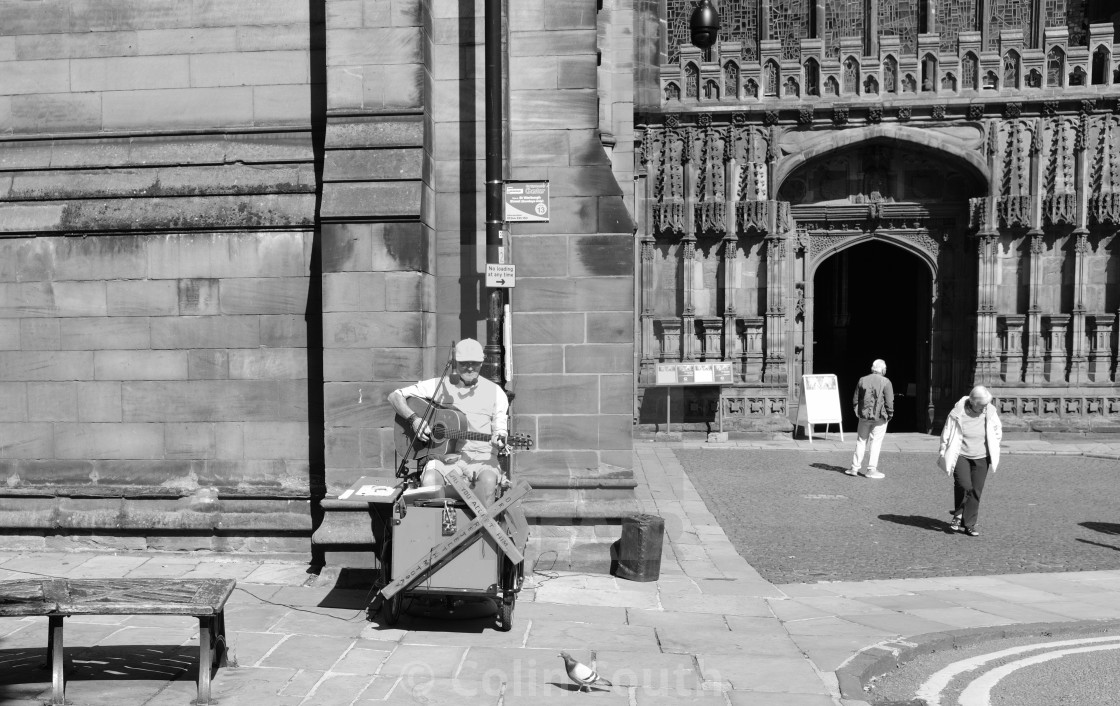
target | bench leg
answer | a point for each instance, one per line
(205, 658)
(55, 659)
(221, 647)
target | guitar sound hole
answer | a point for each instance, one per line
(439, 431)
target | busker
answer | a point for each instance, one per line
(485, 407)
(969, 451)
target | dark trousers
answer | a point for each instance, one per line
(968, 482)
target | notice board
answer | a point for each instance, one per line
(820, 403)
(694, 374)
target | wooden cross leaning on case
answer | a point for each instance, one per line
(448, 427)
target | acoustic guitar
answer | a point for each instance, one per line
(448, 429)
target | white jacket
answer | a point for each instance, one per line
(951, 437)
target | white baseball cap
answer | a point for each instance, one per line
(469, 349)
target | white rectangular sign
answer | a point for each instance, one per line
(500, 275)
(526, 201)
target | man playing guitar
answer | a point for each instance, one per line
(485, 407)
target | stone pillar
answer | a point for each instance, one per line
(1012, 353)
(1034, 340)
(751, 333)
(650, 350)
(688, 250)
(1078, 362)
(1100, 348)
(776, 246)
(987, 361)
(1055, 366)
(688, 314)
(730, 280)
(730, 270)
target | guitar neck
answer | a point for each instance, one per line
(466, 435)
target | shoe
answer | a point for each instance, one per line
(874, 474)
(955, 525)
(851, 472)
(971, 532)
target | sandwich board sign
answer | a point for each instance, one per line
(820, 404)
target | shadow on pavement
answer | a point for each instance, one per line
(918, 521)
(828, 467)
(24, 671)
(1102, 527)
(1098, 544)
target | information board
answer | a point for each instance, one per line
(526, 201)
(820, 403)
(694, 374)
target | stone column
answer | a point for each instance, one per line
(730, 269)
(1033, 344)
(688, 251)
(1055, 367)
(776, 247)
(1034, 340)
(1078, 362)
(987, 360)
(1012, 354)
(649, 351)
(1100, 350)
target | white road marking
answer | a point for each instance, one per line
(932, 688)
(979, 692)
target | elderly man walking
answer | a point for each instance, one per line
(874, 407)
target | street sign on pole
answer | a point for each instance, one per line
(526, 201)
(500, 276)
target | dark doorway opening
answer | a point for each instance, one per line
(872, 301)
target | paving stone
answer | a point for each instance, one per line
(574, 636)
(765, 674)
(303, 652)
(423, 662)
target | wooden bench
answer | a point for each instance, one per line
(59, 598)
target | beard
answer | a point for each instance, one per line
(469, 379)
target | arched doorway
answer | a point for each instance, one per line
(872, 300)
(889, 270)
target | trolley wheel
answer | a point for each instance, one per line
(505, 613)
(392, 609)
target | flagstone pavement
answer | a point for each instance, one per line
(709, 630)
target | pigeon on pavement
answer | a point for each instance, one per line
(581, 674)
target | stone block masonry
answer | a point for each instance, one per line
(155, 384)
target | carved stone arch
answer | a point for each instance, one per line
(691, 81)
(841, 140)
(1101, 59)
(812, 77)
(929, 259)
(850, 73)
(1012, 69)
(890, 74)
(1055, 67)
(929, 72)
(970, 72)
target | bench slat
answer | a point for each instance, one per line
(197, 597)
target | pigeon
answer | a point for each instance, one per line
(581, 674)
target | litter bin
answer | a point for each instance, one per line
(639, 549)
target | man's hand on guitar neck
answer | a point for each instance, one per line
(498, 440)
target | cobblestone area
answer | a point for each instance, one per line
(797, 518)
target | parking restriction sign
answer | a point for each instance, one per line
(500, 275)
